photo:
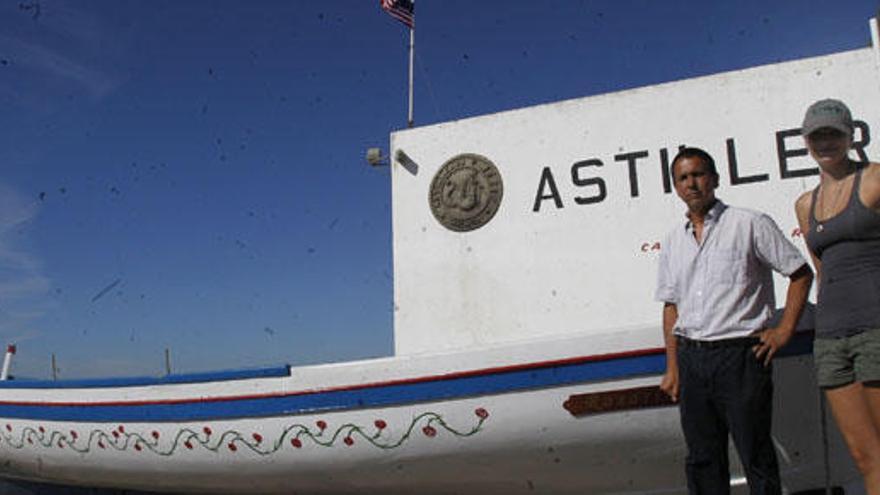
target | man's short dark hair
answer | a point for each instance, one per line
(691, 152)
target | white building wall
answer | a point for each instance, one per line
(590, 268)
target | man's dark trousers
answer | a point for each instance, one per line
(725, 388)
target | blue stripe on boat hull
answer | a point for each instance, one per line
(141, 381)
(379, 396)
(392, 394)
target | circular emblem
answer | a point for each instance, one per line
(466, 192)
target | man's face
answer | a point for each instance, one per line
(694, 183)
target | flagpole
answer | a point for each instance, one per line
(404, 11)
(412, 47)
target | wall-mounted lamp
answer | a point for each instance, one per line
(376, 158)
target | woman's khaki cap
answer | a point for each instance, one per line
(827, 113)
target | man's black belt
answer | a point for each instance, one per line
(717, 344)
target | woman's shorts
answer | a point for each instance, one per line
(843, 360)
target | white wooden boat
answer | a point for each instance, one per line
(483, 421)
(527, 345)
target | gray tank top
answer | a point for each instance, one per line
(848, 244)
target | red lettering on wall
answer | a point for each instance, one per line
(647, 247)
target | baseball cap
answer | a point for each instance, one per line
(827, 113)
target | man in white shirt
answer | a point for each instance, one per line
(715, 280)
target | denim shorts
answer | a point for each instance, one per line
(843, 360)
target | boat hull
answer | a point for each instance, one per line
(572, 424)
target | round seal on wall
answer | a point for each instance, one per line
(466, 192)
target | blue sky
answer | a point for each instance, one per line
(190, 175)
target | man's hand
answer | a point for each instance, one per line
(772, 339)
(669, 384)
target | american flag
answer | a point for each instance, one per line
(402, 10)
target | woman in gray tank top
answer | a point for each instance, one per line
(841, 222)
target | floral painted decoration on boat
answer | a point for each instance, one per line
(296, 436)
